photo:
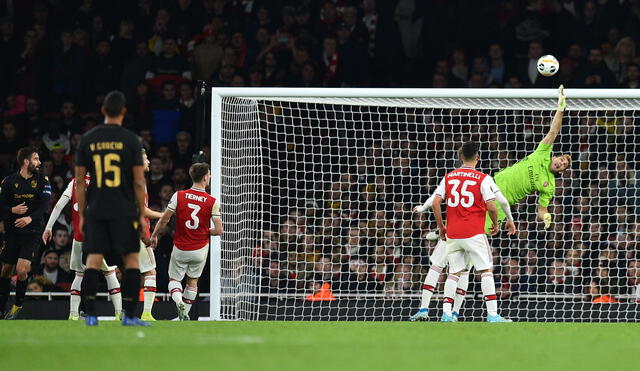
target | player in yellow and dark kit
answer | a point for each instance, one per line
(112, 209)
(24, 199)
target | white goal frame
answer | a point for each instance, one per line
(217, 95)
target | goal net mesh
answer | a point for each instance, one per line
(317, 196)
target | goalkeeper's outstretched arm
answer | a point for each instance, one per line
(556, 124)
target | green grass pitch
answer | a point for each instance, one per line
(66, 345)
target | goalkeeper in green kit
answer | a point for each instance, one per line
(535, 173)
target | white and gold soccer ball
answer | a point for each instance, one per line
(548, 65)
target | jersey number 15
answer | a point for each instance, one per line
(111, 165)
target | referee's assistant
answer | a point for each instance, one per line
(24, 200)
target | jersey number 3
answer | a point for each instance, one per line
(467, 197)
(194, 222)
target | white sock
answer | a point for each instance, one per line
(74, 298)
(449, 292)
(489, 293)
(175, 290)
(114, 292)
(461, 291)
(149, 292)
(430, 283)
(189, 297)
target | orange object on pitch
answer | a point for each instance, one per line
(324, 294)
(605, 299)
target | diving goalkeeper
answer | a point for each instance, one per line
(535, 173)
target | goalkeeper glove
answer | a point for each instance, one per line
(546, 218)
(562, 100)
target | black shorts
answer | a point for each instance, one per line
(111, 237)
(19, 245)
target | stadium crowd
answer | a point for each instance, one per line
(59, 58)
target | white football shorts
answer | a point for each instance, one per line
(475, 250)
(76, 259)
(189, 263)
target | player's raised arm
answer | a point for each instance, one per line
(556, 124)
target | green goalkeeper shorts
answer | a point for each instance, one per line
(488, 224)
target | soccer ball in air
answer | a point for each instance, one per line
(548, 65)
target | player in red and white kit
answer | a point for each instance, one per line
(76, 265)
(195, 210)
(146, 255)
(469, 195)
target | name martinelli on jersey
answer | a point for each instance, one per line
(464, 174)
(105, 146)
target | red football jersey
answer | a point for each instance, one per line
(194, 209)
(75, 217)
(466, 192)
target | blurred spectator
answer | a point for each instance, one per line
(207, 56)
(623, 55)
(273, 280)
(135, 69)
(60, 239)
(182, 150)
(511, 283)
(497, 69)
(358, 278)
(50, 268)
(169, 64)
(556, 279)
(70, 123)
(633, 280)
(631, 77)
(528, 68)
(594, 73)
(10, 142)
(166, 114)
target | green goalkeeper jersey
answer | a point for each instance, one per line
(528, 176)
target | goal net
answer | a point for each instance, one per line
(317, 188)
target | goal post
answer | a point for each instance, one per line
(317, 185)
